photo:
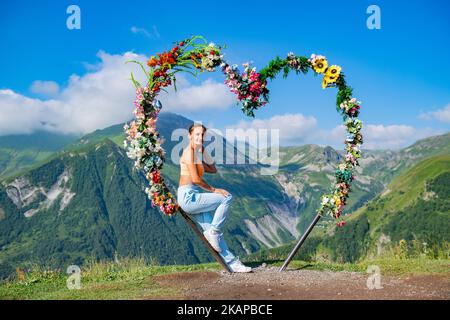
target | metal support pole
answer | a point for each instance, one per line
(194, 227)
(300, 242)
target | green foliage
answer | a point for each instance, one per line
(276, 65)
(426, 220)
(344, 93)
(273, 68)
(349, 243)
(47, 174)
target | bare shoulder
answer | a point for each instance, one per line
(186, 155)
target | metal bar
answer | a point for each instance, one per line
(194, 227)
(300, 242)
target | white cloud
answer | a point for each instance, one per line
(378, 136)
(299, 129)
(100, 98)
(92, 101)
(293, 128)
(442, 115)
(393, 136)
(19, 114)
(45, 88)
(152, 35)
(209, 94)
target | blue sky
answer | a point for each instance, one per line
(399, 72)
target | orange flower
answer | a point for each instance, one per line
(152, 62)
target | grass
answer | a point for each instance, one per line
(135, 279)
(407, 182)
(128, 279)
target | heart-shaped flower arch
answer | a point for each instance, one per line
(195, 55)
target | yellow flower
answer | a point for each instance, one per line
(324, 83)
(333, 73)
(337, 201)
(320, 65)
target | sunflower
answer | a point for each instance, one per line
(324, 83)
(337, 200)
(333, 73)
(320, 65)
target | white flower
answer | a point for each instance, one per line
(131, 154)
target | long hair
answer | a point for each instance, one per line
(191, 128)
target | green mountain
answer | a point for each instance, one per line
(88, 201)
(307, 171)
(414, 207)
(88, 204)
(18, 152)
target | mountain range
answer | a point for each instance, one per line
(66, 199)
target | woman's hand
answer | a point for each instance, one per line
(221, 191)
(208, 163)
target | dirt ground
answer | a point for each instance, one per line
(267, 283)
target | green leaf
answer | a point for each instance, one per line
(136, 83)
(142, 67)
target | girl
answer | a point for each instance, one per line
(200, 204)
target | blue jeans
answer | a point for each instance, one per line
(200, 205)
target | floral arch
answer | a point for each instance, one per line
(194, 55)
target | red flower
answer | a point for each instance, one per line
(182, 43)
(340, 224)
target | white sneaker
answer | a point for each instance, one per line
(237, 266)
(213, 238)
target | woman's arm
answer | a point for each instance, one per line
(208, 163)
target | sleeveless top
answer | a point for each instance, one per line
(184, 170)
